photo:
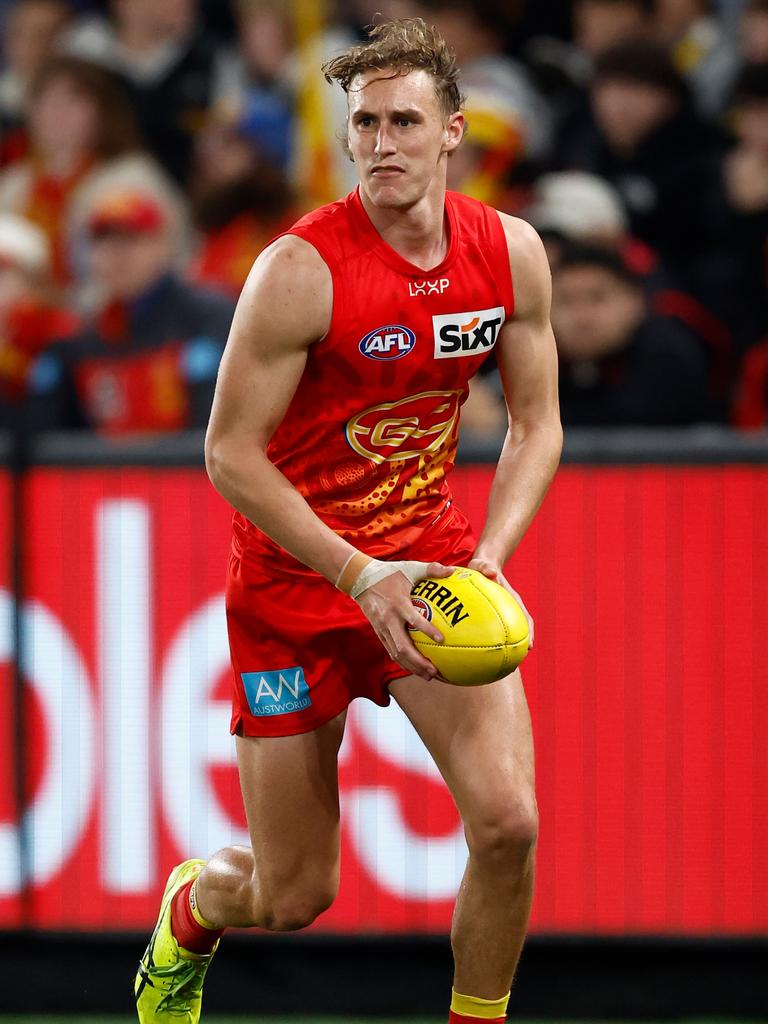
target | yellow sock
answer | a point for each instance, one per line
(476, 1006)
(195, 912)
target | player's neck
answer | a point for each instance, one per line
(417, 233)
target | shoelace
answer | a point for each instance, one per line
(187, 983)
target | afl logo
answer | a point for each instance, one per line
(423, 608)
(388, 343)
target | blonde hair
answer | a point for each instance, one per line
(402, 45)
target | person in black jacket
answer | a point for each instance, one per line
(641, 134)
(745, 171)
(147, 361)
(618, 365)
(166, 63)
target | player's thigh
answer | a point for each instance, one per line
(481, 740)
(291, 795)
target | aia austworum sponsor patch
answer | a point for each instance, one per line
(278, 692)
(467, 334)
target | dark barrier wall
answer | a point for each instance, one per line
(647, 688)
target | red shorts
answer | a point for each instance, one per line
(302, 650)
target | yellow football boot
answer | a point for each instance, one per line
(169, 983)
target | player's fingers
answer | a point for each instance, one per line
(526, 613)
(410, 659)
(489, 570)
(495, 574)
(416, 620)
(386, 641)
(405, 654)
(483, 566)
(440, 571)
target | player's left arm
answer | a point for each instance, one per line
(527, 361)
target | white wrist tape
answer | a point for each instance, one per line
(375, 571)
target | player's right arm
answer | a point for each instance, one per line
(286, 307)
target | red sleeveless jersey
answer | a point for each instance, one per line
(371, 433)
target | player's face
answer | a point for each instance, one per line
(398, 136)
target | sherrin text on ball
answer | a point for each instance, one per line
(485, 630)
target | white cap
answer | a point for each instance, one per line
(23, 244)
(577, 205)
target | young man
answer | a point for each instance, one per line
(621, 365)
(332, 432)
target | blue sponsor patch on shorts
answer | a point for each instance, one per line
(276, 693)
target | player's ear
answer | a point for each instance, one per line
(454, 131)
(343, 136)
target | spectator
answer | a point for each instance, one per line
(30, 319)
(482, 165)
(476, 32)
(599, 25)
(746, 178)
(138, 172)
(642, 136)
(241, 201)
(261, 61)
(166, 63)
(574, 206)
(28, 38)
(272, 82)
(562, 69)
(703, 51)
(754, 32)
(147, 361)
(618, 365)
(79, 120)
(750, 406)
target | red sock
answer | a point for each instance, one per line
(460, 1018)
(187, 931)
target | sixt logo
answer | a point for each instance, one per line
(391, 342)
(276, 693)
(442, 598)
(467, 334)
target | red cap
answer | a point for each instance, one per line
(128, 212)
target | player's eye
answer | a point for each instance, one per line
(403, 122)
(365, 122)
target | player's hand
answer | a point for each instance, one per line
(494, 572)
(387, 606)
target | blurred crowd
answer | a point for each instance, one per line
(149, 149)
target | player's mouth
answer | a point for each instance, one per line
(386, 171)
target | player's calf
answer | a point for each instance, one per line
(295, 907)
(293, 893)
(280, 894)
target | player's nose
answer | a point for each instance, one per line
(384, 142)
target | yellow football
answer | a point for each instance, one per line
(484, 628)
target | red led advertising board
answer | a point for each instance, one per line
(9, 890)
(647, 688)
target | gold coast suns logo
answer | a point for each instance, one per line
(406, 429)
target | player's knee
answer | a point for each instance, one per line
(505, 831)
(298, 903)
